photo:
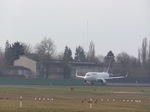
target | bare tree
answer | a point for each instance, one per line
(27, 49)
(124, 59)
(59, 56)
(100, 58)
(45, 49)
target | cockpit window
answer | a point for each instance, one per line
(91, 74)
(87, 74)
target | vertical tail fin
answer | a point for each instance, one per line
(109, 70)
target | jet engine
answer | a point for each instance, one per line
(103, 81)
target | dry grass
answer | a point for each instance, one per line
(67, 101)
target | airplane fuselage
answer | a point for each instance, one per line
(91, 77)
(95, 76)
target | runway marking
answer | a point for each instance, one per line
(123, 92)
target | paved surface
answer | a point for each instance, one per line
(66, 89)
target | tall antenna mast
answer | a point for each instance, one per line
(87, 33)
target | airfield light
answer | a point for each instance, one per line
(20, 101)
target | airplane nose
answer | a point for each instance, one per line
(85, 78)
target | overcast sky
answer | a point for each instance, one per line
(117, 25)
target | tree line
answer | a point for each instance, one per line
(46, 50)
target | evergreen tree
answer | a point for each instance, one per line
(144, 52)
(66, 59)
(12, 52)
(109, 57)
(9, 53)
(18, 49)
(80, 54)
(67, 55)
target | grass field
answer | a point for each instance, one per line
(109, 99)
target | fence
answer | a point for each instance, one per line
(70, 82)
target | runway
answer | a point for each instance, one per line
(78, 90)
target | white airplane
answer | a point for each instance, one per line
(91, 77)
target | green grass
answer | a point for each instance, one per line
(66, 100)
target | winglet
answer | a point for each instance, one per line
(126, 75)
(78, 76)
(76, 73)
(109, 67)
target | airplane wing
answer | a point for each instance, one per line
(119, 77)
(78, 76)
(103, 80)
(116, 77)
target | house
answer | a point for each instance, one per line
(17, 71)
(42, 69)
(26, 62)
